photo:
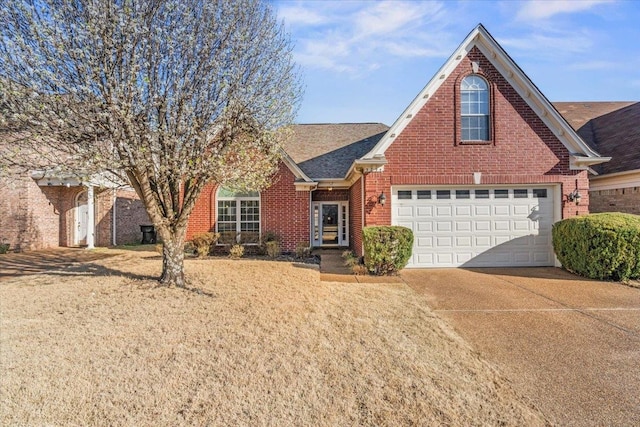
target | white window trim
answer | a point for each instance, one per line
(488, 115)
(257, 198)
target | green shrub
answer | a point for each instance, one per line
(267, 244)
(386, 249)
(303, 250)
(202, 243)
(236, 251)
(600, 246)
(4, 248)
(350, 258)
(273, 249)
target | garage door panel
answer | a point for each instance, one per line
(443, 211)
(463, 241)
(444, 241)
(486, 231)
(444, 258)
(424, 211)
(463, 211)
(482, 225)
(405, 212)
(501, 210)
(424, 226)
(483, 242)
(482, 210)
(521, 210)
(425, 242)
(463, 226)
(444, 226)
(502, 225)
(521, 225)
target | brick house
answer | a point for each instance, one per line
(613, 129)
(51, 210)
(479, 166)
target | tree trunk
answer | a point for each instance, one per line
(173, 260)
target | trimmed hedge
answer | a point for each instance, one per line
(386, 249)
(602, 246)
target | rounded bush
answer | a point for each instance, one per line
(386, 249)
(602, 246)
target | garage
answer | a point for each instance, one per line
(477, 226)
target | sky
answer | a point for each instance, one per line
(365, 61)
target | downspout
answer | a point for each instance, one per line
(362, 208)
(91, 220)
(311, 224)
(113, 218)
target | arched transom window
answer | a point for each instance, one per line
(474, 102)
(238, 216)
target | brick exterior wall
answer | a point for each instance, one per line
(355, 217)
(283, 210)
(36, 217)
(330, 196)
(203, 216)
(130, 215)
(625, 200)
(286, 211)
(522, 149)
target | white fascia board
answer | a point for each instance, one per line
(534, 98)
(578, 162)
(613, 181)
(363, 166)
(480, 38)
(423, 97)
(293, 167)
(336, 184)
(305, 186)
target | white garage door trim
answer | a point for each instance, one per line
(478, 226)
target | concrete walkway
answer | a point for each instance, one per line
(569, 345)
(333, 269)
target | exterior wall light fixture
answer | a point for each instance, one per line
(574, 196)
(382, 199)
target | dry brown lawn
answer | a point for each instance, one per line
(254, 343)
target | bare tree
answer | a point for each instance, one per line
(168, 94)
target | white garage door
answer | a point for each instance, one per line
(477, 227)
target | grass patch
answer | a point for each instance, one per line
(252, 343)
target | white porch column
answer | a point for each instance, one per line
(91, 226)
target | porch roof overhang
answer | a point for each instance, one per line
(58, 178)
(364, 166)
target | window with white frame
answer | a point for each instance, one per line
(238, 216)
(474, 103)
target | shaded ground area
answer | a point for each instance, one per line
(59, 259)
(253, 343)
(571, 345)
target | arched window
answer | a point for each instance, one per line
(474, 102)
(238, 216)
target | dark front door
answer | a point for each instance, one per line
(330, 224)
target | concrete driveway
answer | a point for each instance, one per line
(570, 346)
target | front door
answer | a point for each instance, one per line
(330, 224)
(81, 217)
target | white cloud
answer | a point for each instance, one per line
(298, 15)
(552, 44)
(595, 65)
(537, 9)
(352, 37)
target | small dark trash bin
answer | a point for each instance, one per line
(148, 234)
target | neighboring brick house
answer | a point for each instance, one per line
(479, 166)
(49, 210)
(612, 129)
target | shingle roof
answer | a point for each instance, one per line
(611, 128)
(328, 150)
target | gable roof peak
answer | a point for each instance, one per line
(582, 156)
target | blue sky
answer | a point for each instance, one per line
(364, 61)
